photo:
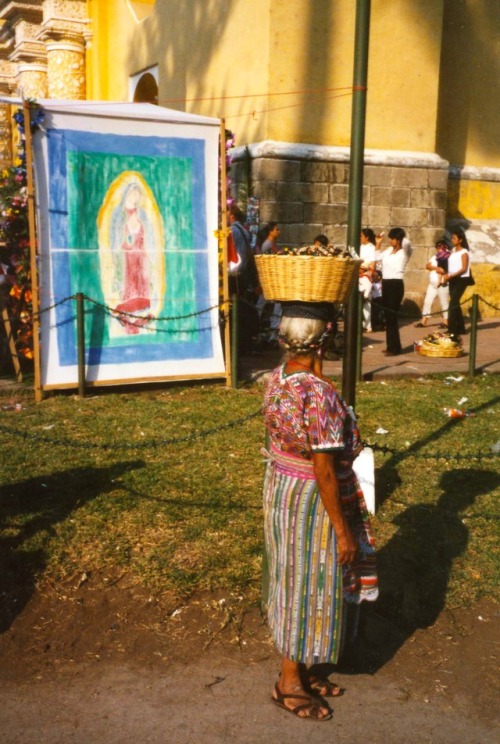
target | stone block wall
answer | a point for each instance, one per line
(306, 190)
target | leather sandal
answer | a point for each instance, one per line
(311, 706)
(324, 687)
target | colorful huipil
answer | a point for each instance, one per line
(307, 586)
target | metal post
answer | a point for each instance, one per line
(223, 246)
(473, 335)
(80, 340)
(360, 77)
(359, 337)
(35, 299)
(234, 340)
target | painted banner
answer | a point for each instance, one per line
(127, 207)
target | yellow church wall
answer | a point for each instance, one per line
(474, 199)
(210, 57)
(283, 71)
(216, 50)
(312, 46)
(469, 110)
(113, 29)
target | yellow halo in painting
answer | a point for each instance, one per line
(131, 251)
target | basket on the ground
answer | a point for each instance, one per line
(307, 278)
(437, 350)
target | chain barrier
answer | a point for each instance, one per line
(412, 316)
(114, 313)
(155, 443)
(400, 454)
(152, 443)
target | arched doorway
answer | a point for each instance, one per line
(146, 90)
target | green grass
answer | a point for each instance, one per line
(180, 517)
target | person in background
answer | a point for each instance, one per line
(367, 255)
(320, 550)
(272, 233)
(241, 242)
(243, 279)
(269, 235)
(459, 278)
(394, 261)
(367, 247)
(437, 266)
(321, 240)
(377, 319)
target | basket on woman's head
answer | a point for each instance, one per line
(310, 278)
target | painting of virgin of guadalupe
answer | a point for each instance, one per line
(131, 254)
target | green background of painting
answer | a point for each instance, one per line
(89, 176)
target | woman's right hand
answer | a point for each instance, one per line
(346, 547)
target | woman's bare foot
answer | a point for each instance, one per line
(289, 693)
(323, 687)
(300, 704)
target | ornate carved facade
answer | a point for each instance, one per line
(42, 55)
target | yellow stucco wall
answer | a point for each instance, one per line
(218, 50)
(283, 71)
(475, 200)
(468, 129)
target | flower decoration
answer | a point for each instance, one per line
(14, 234)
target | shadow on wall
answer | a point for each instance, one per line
(185, 37)
(469, 80)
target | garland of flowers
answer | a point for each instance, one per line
(14, 236)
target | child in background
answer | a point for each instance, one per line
(378, 320)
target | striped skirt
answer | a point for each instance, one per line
(307, 587)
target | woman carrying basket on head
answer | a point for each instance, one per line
(319, 545)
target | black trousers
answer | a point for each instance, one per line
(393, 291)
(458, 285)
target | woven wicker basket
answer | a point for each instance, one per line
(434, 350)
(307, 278)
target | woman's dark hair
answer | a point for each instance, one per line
(443, 242)
(369, 234)
(237, 213)
(460, 233)
(268, 227)
(321, 239)
(397, 233)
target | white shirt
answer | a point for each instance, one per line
(394, 264)
(376, 290)
(434, 277)
(367, 253)
(455, 262)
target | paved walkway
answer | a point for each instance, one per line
(376, 366)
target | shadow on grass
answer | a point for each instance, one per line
(387, 477)
(29, 510)
(414, 569)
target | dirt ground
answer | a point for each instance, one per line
(105, 662)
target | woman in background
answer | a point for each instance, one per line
(459, 278)
(394, 261)
(437, 266)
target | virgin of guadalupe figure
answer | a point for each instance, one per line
(131, 253)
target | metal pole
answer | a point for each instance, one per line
(35, 299)
(80, 340)
(234, 340)
(473, 335)
(360, 77)
(223, 244)
(359, 336)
